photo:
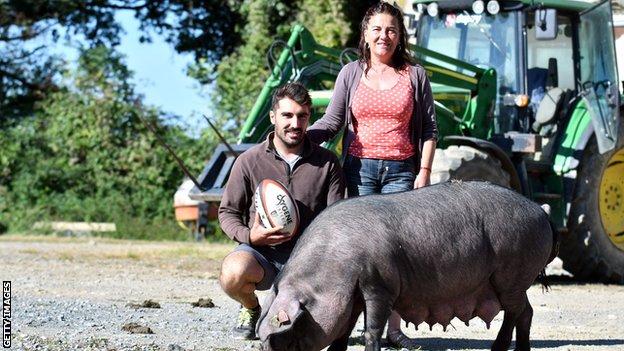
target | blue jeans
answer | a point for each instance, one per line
(367, 176)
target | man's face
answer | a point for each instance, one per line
(291, 121)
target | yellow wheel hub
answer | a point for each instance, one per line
(612, 199)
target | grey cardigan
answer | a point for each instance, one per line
(339, 115)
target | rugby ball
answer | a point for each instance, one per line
(276, 206)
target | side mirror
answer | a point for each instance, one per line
(546, 24)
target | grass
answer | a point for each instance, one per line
(66, 256)
(30, 251)
(119, 249)
(176, 234)
(128, 227)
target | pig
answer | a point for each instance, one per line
(457, 249)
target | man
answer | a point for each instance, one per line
(312, 175)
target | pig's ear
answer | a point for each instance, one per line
(281, 314)
(286, 309)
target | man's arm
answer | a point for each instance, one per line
(235, 203)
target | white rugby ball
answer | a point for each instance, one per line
(276, 206)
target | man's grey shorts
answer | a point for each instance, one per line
(271, 265)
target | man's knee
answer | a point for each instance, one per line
(238, 269)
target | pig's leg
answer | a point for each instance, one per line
(514, 306)
(503, 340)
(523, 327)
(375, 317)
(342, 342)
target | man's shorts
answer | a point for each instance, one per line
(271, 261)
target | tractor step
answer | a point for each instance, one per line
(539, 167)
(546, 196)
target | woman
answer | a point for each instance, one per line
(386, 104)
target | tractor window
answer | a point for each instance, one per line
(444, 40)
(482, 40)
(597, 46)
(540, 51)
(599, 73)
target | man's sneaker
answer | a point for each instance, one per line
(246, 328)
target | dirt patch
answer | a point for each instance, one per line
(136, 328)
(144, 304)
(205, 303)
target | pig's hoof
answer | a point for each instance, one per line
(397, 339)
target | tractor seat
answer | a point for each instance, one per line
(548, 108)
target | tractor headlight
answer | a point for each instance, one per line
(432, 9)
(418, 8)
(478, 7)
(493, 7)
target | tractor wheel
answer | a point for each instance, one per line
(594, 248)
(467, 163)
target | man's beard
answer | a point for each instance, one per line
(284, 138)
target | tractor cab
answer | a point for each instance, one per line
(544, 57)
(483, 41)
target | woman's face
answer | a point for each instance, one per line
(382, 35)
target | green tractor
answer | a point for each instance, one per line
(541, 112)
(526, 97)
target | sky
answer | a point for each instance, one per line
(159, 74)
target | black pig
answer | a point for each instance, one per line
(460, 249)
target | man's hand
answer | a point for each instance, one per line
(261, 236)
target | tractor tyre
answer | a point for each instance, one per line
(593, 249)
(467, 163)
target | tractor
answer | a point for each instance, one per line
(526, 97)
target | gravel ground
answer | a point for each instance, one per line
(74, 294)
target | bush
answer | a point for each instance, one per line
(85, 155)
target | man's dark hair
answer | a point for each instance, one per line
(294, 91)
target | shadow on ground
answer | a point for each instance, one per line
(439, 344)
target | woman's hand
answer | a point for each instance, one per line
(426, 162)
(423, 178)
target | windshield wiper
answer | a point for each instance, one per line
(482, 30)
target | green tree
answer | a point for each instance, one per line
(240, 76)
(86, 155)
(228, 38)
(28, 72)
